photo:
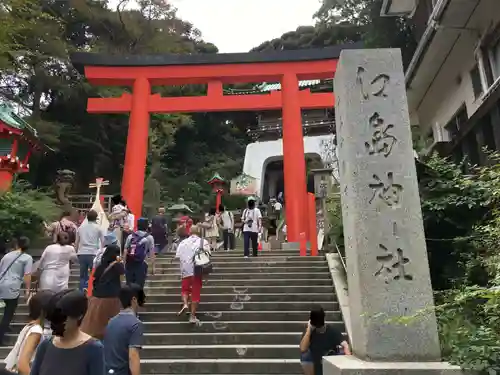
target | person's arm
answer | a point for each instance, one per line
(95, 361)
(126, 247)
(101, 239)
(134, 347)
(73, 257)
(152, 255)
(306, 339)
(77, 238)
(29, 348)
(39, 355)
(27, 276)
(165, 224)
(120, 270)
(346, 347)
(259, 219)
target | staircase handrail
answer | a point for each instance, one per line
(337, 249)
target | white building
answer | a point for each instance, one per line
(453, 80)
(264, 156)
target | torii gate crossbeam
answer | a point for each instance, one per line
(214, 70)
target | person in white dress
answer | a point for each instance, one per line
(212, 229)
(54, 264)
(20, 357)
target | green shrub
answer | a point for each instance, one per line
(24, 210)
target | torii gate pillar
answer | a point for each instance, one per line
(293, 159)
(136, 152)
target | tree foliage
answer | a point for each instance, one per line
(463, 211)
(23, 211)
(349, 21)
(38, 77)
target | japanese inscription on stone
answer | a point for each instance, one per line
(392, 265)
(377, 85)
(382, 140)
(387, 191)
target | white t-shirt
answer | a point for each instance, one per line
(12, 359)
(255, 215)
(186, 252)
(278, 206)
(227, 220)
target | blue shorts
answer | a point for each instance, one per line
(306, 358)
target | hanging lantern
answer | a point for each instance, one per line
(18, 140)
(217, 183)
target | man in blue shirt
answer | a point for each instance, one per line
(124, 334)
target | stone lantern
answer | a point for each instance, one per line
(217, 183)
(178, 210)
(18, 141)
(323, 185)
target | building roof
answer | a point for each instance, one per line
(268, 87)
(82, 59)
(10, 118)
(216, 177)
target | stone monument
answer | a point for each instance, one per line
(387, 265)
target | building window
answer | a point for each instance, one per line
(477, 86)
(454, 125)
(495, 59)
(488, 134)
(472, 148)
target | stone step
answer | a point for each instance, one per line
(222, 366)
(181, 324)
(210, 338)
(245, 297)
(174, 270)
(263, 257)
(227, 315)
(249, 306)
(241, 275)
(223, 289)
(288, 280)
(209, 351)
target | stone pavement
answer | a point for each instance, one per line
(252, 315)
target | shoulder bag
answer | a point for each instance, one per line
(10, 265)
(202, 263)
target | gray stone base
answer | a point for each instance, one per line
(291, 246)
(350, 365)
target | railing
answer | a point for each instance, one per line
(341, 256)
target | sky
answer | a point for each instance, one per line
(240, 25)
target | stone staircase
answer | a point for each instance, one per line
(252, 314)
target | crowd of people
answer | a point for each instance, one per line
(95, 329)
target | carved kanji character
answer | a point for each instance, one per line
(389, 192)
(382, 140)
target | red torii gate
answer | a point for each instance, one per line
(142, 72)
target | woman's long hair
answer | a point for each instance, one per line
(109, 256)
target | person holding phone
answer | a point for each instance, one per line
(318, 340)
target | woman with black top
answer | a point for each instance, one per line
(104, 303)
(70, 351)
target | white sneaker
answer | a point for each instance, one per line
(193, 319)
(246, 257)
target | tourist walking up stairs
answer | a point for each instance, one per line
(138, 251)
(191, 282)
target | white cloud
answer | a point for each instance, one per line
(240, 25)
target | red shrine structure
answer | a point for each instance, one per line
(214, 70)
(18, 141)
(217, 184)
